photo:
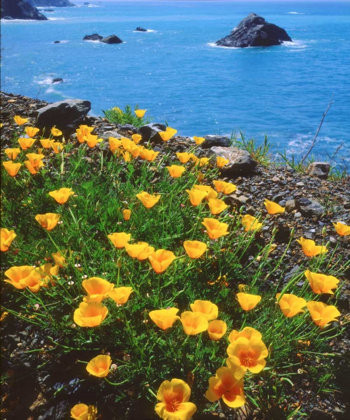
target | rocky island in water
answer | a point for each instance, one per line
(254, 31)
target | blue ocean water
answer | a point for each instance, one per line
(177, 74)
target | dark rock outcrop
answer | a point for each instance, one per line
(65, 115)
(151, 132)
(18, 9)
(57, 80)
(112, 39)
(51, 3)
(212, 141)
(254, 31)
(139, 29)
(57, 42)
(93, 37)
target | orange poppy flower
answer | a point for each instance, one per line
(205, 308)
(195, 249)
(19, 120)
(120, 295)
(228, 385)
(12, 168)
(97, 289)
(31, 131)
(290, 304)
(215, 229)
(321, 313)
(7, 236)
(26, 143)
(193, 322)
(224, 187)
(12, 153)
(164, 318)
(341, 228)
(90, 314)
(175, 171)
(62, 195)
(148, 200)
(320, 283)
(99, 366)
(48, 221)
(140, 250)
(251, 223)
(168, 134)
(174, 397)
(183, 157)
(120, 239)
(161, 259)
(247, 354)
(198, 140)
(247, 301)
(310, 249)
(217, 329)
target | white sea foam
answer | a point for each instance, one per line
(296, 44)
(43, 81)
(56, 18)
(148, 30)
(294, 13)
(212, 44)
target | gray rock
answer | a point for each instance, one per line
(128, 127)
(309, 207)
(319, 169)
(150, 132)
(65, 115)
(240, 161)
(107, 134)
(290, 205)
(254, 31)
(93, 37)
(111, 39)
(236, 200)
(213, 141)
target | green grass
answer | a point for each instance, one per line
(126, 116)
(104, 185)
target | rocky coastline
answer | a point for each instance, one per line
(312, 204)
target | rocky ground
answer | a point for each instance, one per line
(312, 205)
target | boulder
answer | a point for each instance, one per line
(57, 80)
(93, 37)
(319, 169)
(240, 161)
(57, 42)
(139, 29)
(150, 132)
(309, 207)
(254, 31)
(18, 9)
(65, 115)
(212, 141)
(111, 39)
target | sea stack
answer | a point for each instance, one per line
(254, 31)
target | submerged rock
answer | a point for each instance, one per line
(254, 31)
(111, 39)
(65, 115)
(57, 80)
(93, 37)
(139, 29)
